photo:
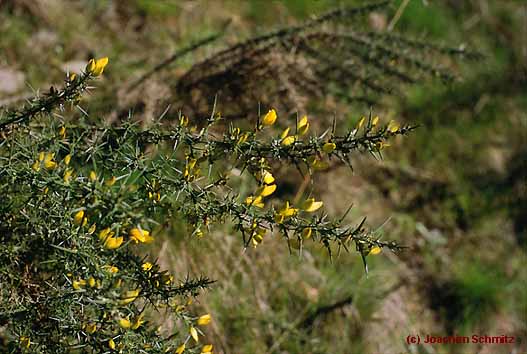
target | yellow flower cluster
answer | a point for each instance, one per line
(96, 67)
(192, 170)
(45, 159)
(107, 236)
(302, 128)
(125, 323)
(267, 187)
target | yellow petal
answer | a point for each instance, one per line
(138, 321)
(207, 349)
(92, 228)
(138, 235)
(112, 243)
(393, 126)
(41, 156)
(288, 140)
(36, 166)
(100, 64)
(194, 334)
(91, 66)
(266, 190)
(147, 266)
(129, 296)
(67, 175)
(180, 349)
(254, 201)
(375, 250)
(284, 133)
(25, 342)
(269, 118)
(111, 181)
(91, 282)
(375, 121)
(361, 123)
(79, 217)
(302, 126)
(329, 147)
(310, 205)
(111, 344)
(91, 328)
(93, 176)
(50, 164)
(125, 323)
(67, 159)
(267, 177)
(306, 233)
(204, 320)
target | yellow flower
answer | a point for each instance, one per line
(375, 121)
(288, 140)
(243, 138)
(111, 181)
(375, 250)
(303, 126)
(306, 233)
(256, 201)
(92, 228)
(317, 164)
(78, 284)
(111, 344)
(183, 121)
(96, 67)
(72, 76)
(194, 334)
(50, 164)
(91, 282)
(41, 156)
(257, 236)
(91, 328)
(269, 118)
(266, 190)
(67, 159)
(129, 296)
(124, 323)
(393, 126)
(62, 132)
(147, 266)
(105, 233)
(36, 166)
(329, 147)
(180, 349)
(204, 319)
(138, 321)
(112, 243)
(67, 175)
(25, 342)
(111, 269)
(381, 145)
(310, 205)
(284, 134)
(267, 177)
(138, 235)
(287, 211)
(361, 123)
(79, 218)
(93, 176)
(207, 349)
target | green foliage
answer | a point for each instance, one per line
(79, 199)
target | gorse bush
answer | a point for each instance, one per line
(81, 200)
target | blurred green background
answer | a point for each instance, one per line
(454, 191)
